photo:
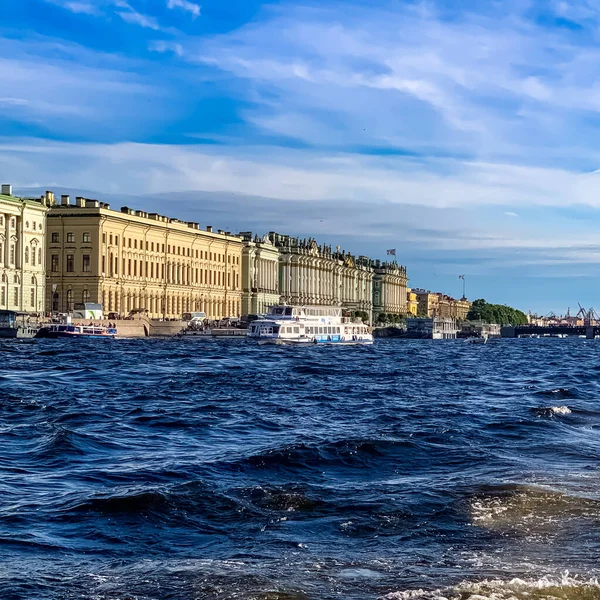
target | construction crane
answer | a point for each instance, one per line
(589, 316)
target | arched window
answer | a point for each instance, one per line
(16, 279)
(26, 255)
(85, 297)
(32, 256)
(69, 300)
(26, 224)
(55, 302)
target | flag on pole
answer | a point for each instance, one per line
(461, 277)
(391, 252)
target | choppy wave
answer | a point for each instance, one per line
(175, 469)
(547, 587)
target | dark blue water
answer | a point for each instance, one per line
(192, 469)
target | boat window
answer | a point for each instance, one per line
(288, 311)
(296, 330)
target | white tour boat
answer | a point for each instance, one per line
(308, 325)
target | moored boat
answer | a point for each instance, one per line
(308, 325)
(61, 330)
(16, 325)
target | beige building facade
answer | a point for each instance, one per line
(22, 252)
(312, 274)
(389, 289)
(260, 274)
(432, 304)
(128, 260)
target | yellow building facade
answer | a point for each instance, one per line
(128, 260)
(412, 304)
(22, 252)
(435, 304)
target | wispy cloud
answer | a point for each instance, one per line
(509, 213)
(191, 7)
(82, 8)
(130, 15)
(163, 46)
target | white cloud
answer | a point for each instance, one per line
(509, 213)
(191, 7)
(163, 46)
(135, 18)
(82, 8)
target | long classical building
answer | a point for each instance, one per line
(311, 274)
(22, 252)
(389, 289)
(260, 274)
(128, 260)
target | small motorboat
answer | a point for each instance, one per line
(477, 340)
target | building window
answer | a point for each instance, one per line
(12, 254)
(69, 300)
(116, 240)
(104, 238)
(70, 238)
(54, 266)
(87, 238)
(86, 265)
(70, 263)
(103, 264)
(16, 296)
(32, 296)
(13, 223)
(26, 255)
(2, 296)
(32, 256)
(135, 244)
(85, 297)
(55, 302)
(26, 224)
(129, 267)
(1, 223)
(39, 256)
(55, 238)
(34, 224)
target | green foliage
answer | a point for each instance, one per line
(496, 313)
(361, 314)
(391, 318)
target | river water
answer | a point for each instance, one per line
(202, 469)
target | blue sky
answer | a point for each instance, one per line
(464, 134)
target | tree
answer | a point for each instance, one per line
(496, 313)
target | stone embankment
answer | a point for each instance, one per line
(139, 327)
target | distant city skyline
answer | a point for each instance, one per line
(462, 134)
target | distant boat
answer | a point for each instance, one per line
(478, 340)
(77, 331)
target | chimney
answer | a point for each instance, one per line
(50, 198)
(7, 189)
(80, 201)
(92, 203)
(65, 200)
(209, 228)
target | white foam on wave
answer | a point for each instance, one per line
(560, 410)
(548, 587)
